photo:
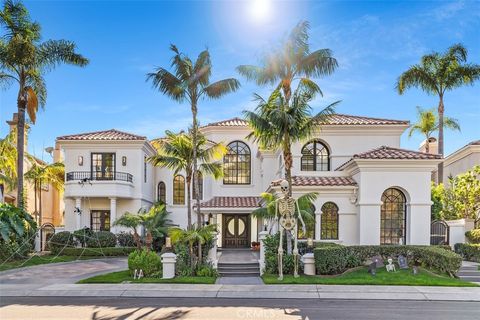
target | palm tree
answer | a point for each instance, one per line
(50, 174)
(191, 82)
(436, 74)
(176, 152)
(277, 124)
(427, 124)
(24, 59)
(8, 159)
(292, 61)
(267, 212)
(196, 235)
(131, 221)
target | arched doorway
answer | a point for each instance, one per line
(393, 217)
(47, 230)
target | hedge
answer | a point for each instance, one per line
(334, 260)
(61, 240)
(98, 252)
(470, 252)
(102, 239)
(473, 236)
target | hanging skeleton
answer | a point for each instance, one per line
(287, 217)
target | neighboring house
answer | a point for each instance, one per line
(462, 160)
(52, 199)
(370, 190)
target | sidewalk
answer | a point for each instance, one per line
(247, 291)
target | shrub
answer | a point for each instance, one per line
(102, 239)
(331, 259)
(125, 239)
(60, 241)
(82, 235)
(148, 261)
(14, 249)
(470, 252)
(98, 252)
(206, 271)
(182, 266)
(473, 236)
(18, 228)
(432, 257)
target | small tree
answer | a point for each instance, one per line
(437, 196)
(462, 198)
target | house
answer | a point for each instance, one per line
(370, 190)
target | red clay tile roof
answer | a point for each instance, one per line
(111, 134)
(336, 119)
(319, 181)
(231, 202)
(385, 152)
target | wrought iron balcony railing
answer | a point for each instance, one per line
(101, 176)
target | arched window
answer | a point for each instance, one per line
(236, 164)
(393, 217)
(200, 187)
(329, 222)
(161, 192)
(309, 225)
(179, 190)
(315, 157)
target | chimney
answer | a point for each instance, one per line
(432, 145)
(13, 128)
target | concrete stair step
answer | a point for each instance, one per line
(238, 265)
(468, 273)
(239, 274)
(238, 269)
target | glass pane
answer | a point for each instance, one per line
(231, 227)
(241, 227)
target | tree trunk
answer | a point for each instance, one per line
(35, 182)
(189, 202)
(136, 238)
(441, 110)
(22, 103)
(40, 211)
(195, 164)
(148, 240)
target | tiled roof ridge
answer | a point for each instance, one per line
(385, 148)
(85, 135)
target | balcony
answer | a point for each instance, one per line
(91, 176)
(99, 184)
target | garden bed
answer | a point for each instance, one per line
(360, 276)
(124, 276)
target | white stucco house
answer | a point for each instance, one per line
(370, 190)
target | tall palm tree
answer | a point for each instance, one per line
(176, 152)
(277, 125)
(427, 124)
(51, 174)
(292, 61)
(436, 74)
(190, 81)
(24, 60)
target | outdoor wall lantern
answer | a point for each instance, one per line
(309, 245)
(124, 161)
(80, 160)
(168, 243)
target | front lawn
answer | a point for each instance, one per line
(124, 276)
(37, 260)
(360, 276)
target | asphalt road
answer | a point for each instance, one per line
(211, 309)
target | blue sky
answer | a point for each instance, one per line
(373, 41)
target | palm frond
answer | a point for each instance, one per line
(220, 88)
(167, 83)
(54, 52)
(32, 104)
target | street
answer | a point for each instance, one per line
(38, 308)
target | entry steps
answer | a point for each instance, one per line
(239, 269)
(469, 273)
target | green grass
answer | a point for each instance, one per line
(37, 260)
(123, 276)
(360, 276)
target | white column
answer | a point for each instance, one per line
(77, 212)
(261, 236)
(113, 213)
(212, 253)
(168, 260)
(317, 225)
(308, 264)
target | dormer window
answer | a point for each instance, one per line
(315, 157)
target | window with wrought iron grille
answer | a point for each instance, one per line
(329, 222)
(393, 217)
(236, 164)
(315, 157)
(161, 192)
(179, 190)
(200, 187)
(100, 220)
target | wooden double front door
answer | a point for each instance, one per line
(236, 231)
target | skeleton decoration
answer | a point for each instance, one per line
(285, 214)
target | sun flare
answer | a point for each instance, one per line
(260, 9)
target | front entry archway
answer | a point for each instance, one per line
(236, 231)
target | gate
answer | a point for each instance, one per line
(439, 231)
(47, 230)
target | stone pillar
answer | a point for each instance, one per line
(212, 253)
(77, 212)
(456, 231)
(318, 216)
(113, 213)
(261, 236)
(308, 264)
(168, 261)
